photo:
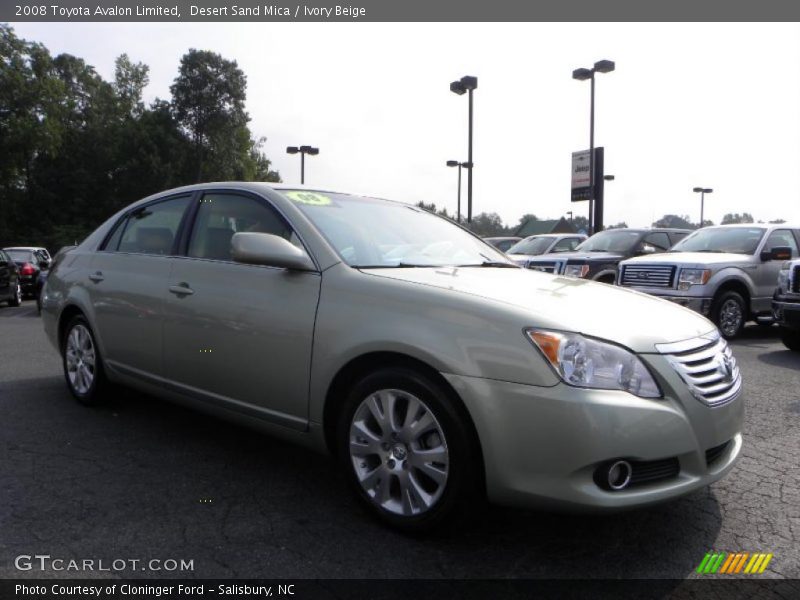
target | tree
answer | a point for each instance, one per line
(737, 218)
(778, 222)
(208, 99)
(675, 221)
(487, 225)
(130, 79)
(620, 225)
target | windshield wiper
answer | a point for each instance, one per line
(394, 266)
(492, 263)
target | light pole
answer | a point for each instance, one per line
(601, 66)
(469, 84)
(702, 191)
(569, 212)
(302, 151)
(455, 163)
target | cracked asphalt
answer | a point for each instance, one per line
(144, 479)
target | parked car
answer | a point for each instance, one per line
(502, 243)
(437, 376)
(544, 243)
(598, 257)
(10, 289)
(727, 272)
(29, 263)
(786, 304)
(38, 249)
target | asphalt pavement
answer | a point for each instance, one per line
(142, 479)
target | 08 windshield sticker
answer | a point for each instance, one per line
(310, 198)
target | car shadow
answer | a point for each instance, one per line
(781, 358)
(170, 481)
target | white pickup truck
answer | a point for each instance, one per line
(786, 304)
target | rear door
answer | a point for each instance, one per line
(766, 274)
(128, 285)
(238, 335)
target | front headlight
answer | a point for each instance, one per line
(690, 277)
(576, 270)
(590, 363)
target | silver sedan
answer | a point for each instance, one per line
(434, 369)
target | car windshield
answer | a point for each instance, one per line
(611, 241)
(736, 240)
(532, 245)
(22, 256)
(370, 233)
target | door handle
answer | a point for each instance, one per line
(97, 277)
(182, 289)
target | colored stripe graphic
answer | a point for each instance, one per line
(766, 562)
(719, 562)
(704, 562)
(731, 563)
(741, 561)
(727, 564)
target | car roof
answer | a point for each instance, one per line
(30, 248)
(762, 225)
(555, 235)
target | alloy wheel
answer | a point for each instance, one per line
(730, 317)
(399, 452)
(80, 359)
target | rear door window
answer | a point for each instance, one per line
(150, 229)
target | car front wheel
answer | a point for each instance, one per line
(407, 450)
(16, 297)
(83, 367)
(791, 339)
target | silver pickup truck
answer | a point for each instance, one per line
(786, 304)
(726, 273)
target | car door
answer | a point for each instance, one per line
(6, 268)
(128, 285)
(240, 335)
(766, 273)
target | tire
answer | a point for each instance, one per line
(82, 364)
(791, 339)
(16, 297)
(729, 314)
(608, 279)
(383, 458)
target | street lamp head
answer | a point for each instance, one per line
(708, 191)
(468, 82)
(466, 165)
(457, 88)
(452, 163)
(604, 66)
(608, 177)
(292, 150)
(312, 151)
(582, 74)
(697, 189)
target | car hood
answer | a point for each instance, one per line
(624, 316)
(691, 258)
(583, 256)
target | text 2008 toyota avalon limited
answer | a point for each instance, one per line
(434, 368)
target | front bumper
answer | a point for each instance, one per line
(786, 313)
(698, 304)
(542, 445)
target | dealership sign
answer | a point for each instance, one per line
(581, 179)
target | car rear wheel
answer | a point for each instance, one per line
(407, 451)
(791, 339)
(729, 314)
(83, 367)
(16, 297)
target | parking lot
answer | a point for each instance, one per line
(140, 478)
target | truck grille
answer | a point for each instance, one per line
(546, 267)
(648, 276)
(706, 364)
(796, 280)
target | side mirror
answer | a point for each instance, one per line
(647, 249)
(777, 253)
(269, 250)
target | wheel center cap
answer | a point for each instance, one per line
(399, 451)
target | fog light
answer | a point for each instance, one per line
(614, 475)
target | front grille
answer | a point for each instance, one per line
(544, 266)
(659, 276)
(706, 364)
(654, 470)
(796, 280)
(713, 454)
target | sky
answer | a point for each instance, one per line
(711, 105)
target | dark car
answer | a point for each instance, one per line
(502, 243)
(786, 303)
(598, 257)
(29, 264)
(10, 290)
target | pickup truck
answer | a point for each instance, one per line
(598, 257)
(786, 304)
(726, 273)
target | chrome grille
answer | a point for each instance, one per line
(795, 285)
(648, 276)
(707, 365)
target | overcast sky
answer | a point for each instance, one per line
(715, 105)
